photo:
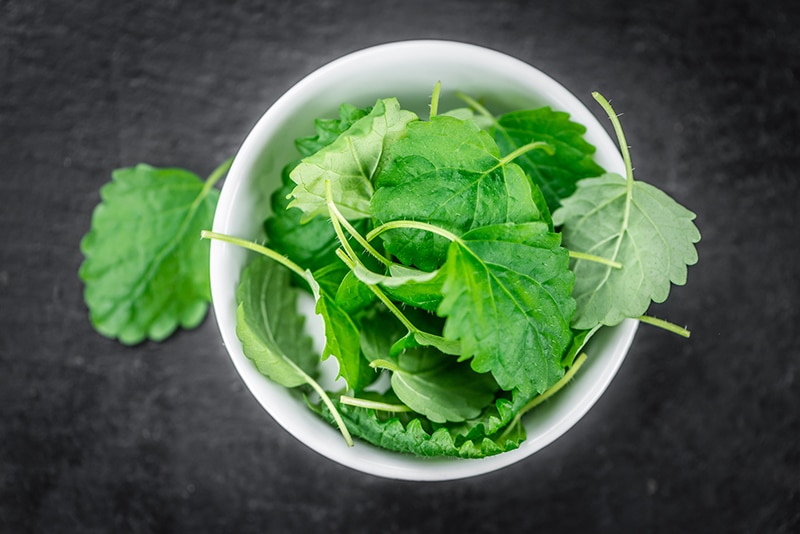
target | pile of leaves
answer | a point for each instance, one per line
(460, 264)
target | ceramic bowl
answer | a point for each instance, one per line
(406, 70)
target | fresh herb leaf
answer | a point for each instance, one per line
(342, 339)
(507, 299)
(328, 130)
(630, 222)
(145, 268)
(437, 386)
(637, 225)
(555, 173)
(309, 243)
(449, 173)
(349, 163)
(420, 292)
(352, 295)
(272, 334)
(412, 437)
(271, 330)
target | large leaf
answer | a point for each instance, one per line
(310, 243)
(270, 327)
(271, 331)
(449, 173)
(412, 437)
(555, 173)
(642, 228)
(437, 386)
(145, 267)
(507, 299)
(348, 164)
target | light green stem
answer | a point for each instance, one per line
(215, 176)
(255, 247)
(334, 212)
(437, 89)
(517, 152)
(326, 399)
(471, 102)
(555, 388)
(415, 225)
(384, 364)
(595, 259)
(623, 144)
(374, 405)
(666, 325)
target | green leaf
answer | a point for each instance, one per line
(311, 243)
(271, 331)
(449, 173)
(438, 386)
(418, 288)
(413, 437)
(580, 338)
(379, 331)
(349, 164)
(507, 299)
(556, 174)
(269, 326)
(343, 341)
(642, 228)
(328, 130)
(145, 267)
(423, 292)
(353, 295)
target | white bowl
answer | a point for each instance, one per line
(408, 71)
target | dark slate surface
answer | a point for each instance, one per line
(693, 436)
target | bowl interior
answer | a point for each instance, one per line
(408, 71)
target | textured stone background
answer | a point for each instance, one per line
(692, 436)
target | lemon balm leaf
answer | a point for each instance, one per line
(630, 222)
(348, 163)
(555, 173)
(640, 227)
(327, 130)
(272, 331)
(146, 268)
(449, 173)
(437, 386)
(413, 436)
(507, 299)
(270, 328)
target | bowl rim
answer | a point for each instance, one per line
(269, 395)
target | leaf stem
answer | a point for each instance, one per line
(596, 259)
(337, 226)
(437, 89)
(623, 144)
(416, 225)
(255, 247)
(380, 294)
(478, 107)
(215, 176)
(374, 405)
(666, 325)
(536, 401)
(517, 152)
(327, 400)
(336, 214)
(384, 364)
